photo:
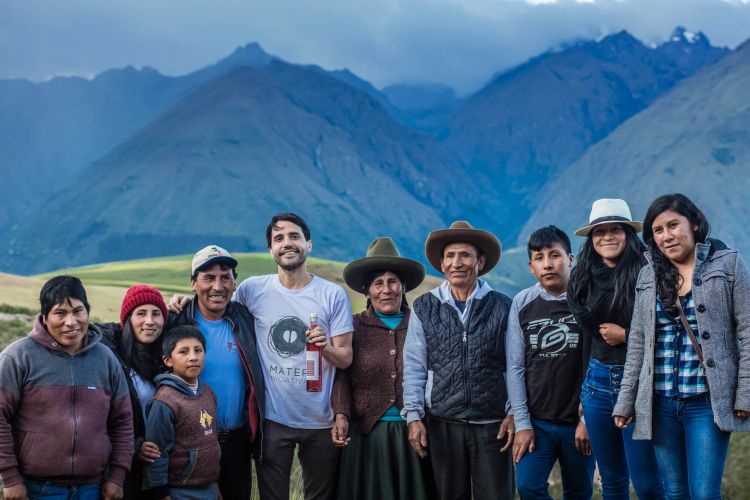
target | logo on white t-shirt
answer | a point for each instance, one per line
(287, 336)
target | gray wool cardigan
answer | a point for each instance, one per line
(721, 291)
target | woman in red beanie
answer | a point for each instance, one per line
(136, 341)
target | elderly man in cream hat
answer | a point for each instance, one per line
(454, 369)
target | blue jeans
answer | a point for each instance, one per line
(620, 458)
(689, 447)
(203, 493)
(553, 442)
(45, 489)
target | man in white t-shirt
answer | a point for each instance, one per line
(282, 304)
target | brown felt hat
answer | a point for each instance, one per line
(383, 255)
(463, 232)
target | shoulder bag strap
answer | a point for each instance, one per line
(689, 331)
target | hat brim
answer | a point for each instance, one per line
(223, 259)
(584, 231)
(487, 243)
(409, 270)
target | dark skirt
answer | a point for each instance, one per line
(382, 465)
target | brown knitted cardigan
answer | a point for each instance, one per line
(373, 382)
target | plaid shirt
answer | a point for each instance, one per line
(677, 370)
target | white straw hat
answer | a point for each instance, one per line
(608, 210)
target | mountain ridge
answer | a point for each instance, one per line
(693, 139)
(336, 154)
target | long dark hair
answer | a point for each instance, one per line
(668, 280)
(625, 275)
(145, 359)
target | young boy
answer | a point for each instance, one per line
(543, 349)
(181, 421)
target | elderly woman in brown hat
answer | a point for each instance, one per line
(377, 462)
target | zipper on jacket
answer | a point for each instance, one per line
(465, 359)
(467, 384)
(74, 401)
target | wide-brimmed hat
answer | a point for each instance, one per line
(383, 255)
(607, 211)
(463, 232)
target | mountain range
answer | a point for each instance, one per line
(55, 129)
(531, 122)
(695, 139)
(221, 161)
(133, 163)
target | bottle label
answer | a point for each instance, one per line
(312, 371)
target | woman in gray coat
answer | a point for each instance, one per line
(686, 383)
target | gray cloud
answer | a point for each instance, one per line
(460, 43)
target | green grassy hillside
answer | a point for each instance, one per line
(106, 283)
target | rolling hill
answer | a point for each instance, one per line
(106, 283)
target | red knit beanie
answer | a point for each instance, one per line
(138, 295)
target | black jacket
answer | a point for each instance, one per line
(243, 329)
(132, 488)
(467, 361)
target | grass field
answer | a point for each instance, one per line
(106, 283)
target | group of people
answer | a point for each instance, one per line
(635, 357)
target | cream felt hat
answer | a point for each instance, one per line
(606, 211)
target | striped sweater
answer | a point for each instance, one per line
(63, 418)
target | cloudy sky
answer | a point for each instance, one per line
(460, 43)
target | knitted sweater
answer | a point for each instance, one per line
(373, 382)
(183, 426)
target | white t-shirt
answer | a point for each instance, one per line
(281, 318)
